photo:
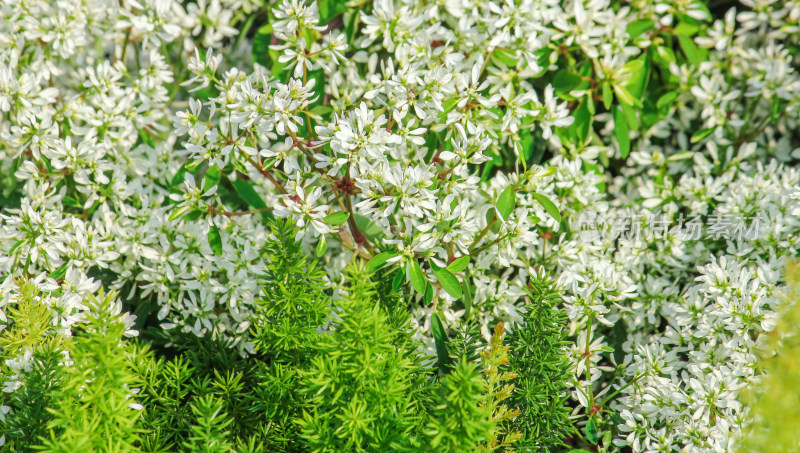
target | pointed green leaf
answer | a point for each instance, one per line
(591, 432)
(583, 122)
(427, 298)
(248, 194)
(549, 206)
(458, 264)
(16, 246)
(775, 110)
(638, 27)
(322, 246)
(506, 202)
(337, 218)
(621, 132)
(398, 280)
(215, 240)
(467, 293)
(701, 134)
(371, 230)
(377, 261)
(59, 272)
(626, 97)
(565, 81)
(212, 176)
(690, 49)
(630, 115)
(448, 281)
(640, 71)
(665, 102)
(440, 340)
(416, 277)
(608, 96)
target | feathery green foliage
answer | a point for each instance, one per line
(294, 305)
(91, 406)
(366, 382)
(460, 421)
(28, 421)
(774, 402)
(330, 373)
(209, 433)
(537, 351)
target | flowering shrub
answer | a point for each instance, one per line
(446, 162)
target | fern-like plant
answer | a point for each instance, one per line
(330, 373)
(537, 353)
(92, 407)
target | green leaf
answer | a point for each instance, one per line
(507, 58)
(398, 280)
(322, 246)
(146, 138)
(549, 206)
(639, 69)
(621, 132)
(71, 202)
(686, 27)
(248, 194)
(701, 134)
(215, 240)
(16, 246)
(690, 49)
(328, 9)
(58, 273)
(440, 340)
(579, 451)
(526, 147)
(591, 432)
(630, 114)
(638, 27)
(427, 298)
(583, 122)
(775, 110)
(448, 281)
(664, 103)
(322, 110)
(607, 438)
(377, 261)
(211, 177)
(371, 230)
(608, 95)
(664, 55)
(179, 176)
(506, 202)
(418, 280)
(565, 81)
(680, 156)
(259, 51)
(467, 293)
(337, 218)
(458, 264)
(626, 97)
(448, 106)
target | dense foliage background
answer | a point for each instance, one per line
(250, 225)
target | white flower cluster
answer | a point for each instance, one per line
(406, 135)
